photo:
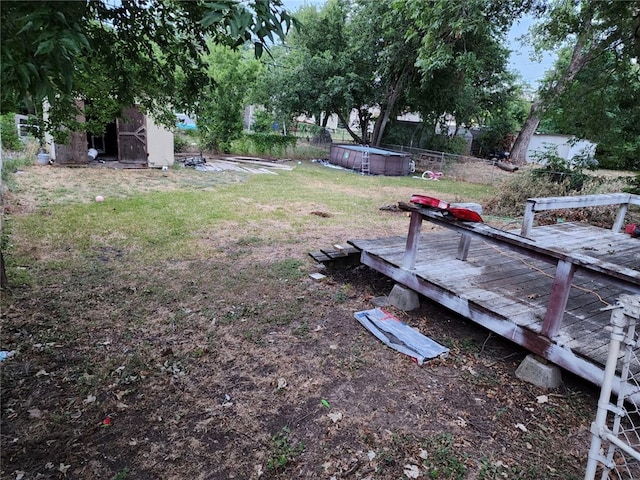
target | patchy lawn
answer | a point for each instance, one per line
(172, 331)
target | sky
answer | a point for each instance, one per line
(531, 71)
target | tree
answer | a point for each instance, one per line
(220, 108)
(602, 104)
(315, 73)
(591, 28)
(462, 57)
(117, 54)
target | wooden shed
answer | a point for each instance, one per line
(134, 140)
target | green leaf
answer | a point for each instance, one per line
(44, 48)
(325, 403)
(211, 18)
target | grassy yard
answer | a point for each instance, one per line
(172, 331)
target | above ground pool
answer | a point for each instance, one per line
(381, 162)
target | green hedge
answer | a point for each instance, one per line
(263, 144)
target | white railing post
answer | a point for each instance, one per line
(621, 442)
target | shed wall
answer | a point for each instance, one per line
(159, 145)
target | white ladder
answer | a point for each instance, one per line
(364, 164)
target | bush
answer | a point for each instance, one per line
(263, 144)
(561, 171)
(180, 142)
(634, 185)
(263, 122)
(526, 184)
(9, 133)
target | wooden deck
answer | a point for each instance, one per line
(514, 285)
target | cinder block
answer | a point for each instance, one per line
(544, 375)
(403, 298)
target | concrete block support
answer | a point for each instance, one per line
(403, 298)
(534, 370)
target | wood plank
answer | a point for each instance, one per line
(319, 257)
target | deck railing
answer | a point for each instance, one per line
(615, 444)
(535, 205)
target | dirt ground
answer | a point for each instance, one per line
(236, 364)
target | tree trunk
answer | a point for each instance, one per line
(393, 93)
(579, 58)
(364, 117)
(521, 145)
(381, 124)
(347, 127)
(325, 119)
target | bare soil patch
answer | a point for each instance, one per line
(230, 362)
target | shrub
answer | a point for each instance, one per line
(180, 142)
(263, 144)
(9, 133)
(526, 184)
(634, 185)
(564, 172)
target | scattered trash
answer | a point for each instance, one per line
(193, 161)
(317, 276)
(106, 423)
(399, 336)
(325, 403)
(63, 469)
(4, 355)
(411, 471)
(335, 417)
(35, 412)
(542, 399)
(282, 383)
(325, 163)
(99, 198)
(521, 426)
(429, 175)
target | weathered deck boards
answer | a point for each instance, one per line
(509, 291)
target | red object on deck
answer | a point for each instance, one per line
(429, 202)
(633, 230)
(463, 214)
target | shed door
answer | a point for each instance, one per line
(132, 137)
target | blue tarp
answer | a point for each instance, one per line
(398, 335)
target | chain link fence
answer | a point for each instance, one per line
(615, 444)
(454, 167)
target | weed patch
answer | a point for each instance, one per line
(283, 450)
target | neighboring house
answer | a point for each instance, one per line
(567, 146)
(135, 140)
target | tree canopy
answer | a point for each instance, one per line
(115, 54)
(591, 30)
(383, 58)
